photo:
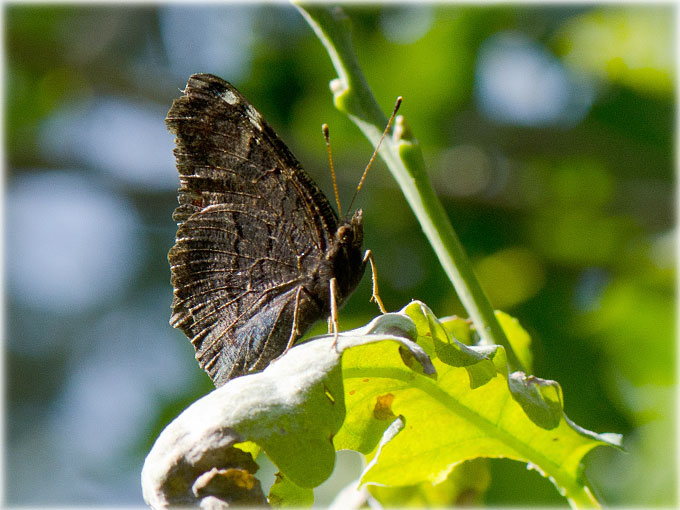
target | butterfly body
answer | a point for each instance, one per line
(257, 241)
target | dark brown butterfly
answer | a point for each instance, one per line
(258, 243)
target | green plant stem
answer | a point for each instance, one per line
(404, 158)
(581, 497)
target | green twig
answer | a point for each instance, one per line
(404, 158)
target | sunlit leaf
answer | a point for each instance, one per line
(285, 493)
(470, 410)
(518, 338)
(465, 486)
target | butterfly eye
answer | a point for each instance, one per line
(343, 233)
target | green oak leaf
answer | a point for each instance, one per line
(374, 390)
(465, 486)
(460, 328)
(424, 427)
(285, 493)
(518, 338)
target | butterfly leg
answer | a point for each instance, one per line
(368, 256)
(294, 329)
(333, 319)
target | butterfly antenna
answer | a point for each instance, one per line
(377, 148)
(324, 128)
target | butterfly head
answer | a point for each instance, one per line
(350, 233)
(347, 254)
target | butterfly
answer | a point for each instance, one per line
(259, 249)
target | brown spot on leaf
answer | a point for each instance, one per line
(383, 407)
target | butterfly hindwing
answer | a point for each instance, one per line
(224, 280)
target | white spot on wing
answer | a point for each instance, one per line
(229, 97)
(254, 117)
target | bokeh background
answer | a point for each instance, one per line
(549, 135)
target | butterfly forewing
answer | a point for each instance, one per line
(226, 153)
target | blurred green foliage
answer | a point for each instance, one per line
(570, 225)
